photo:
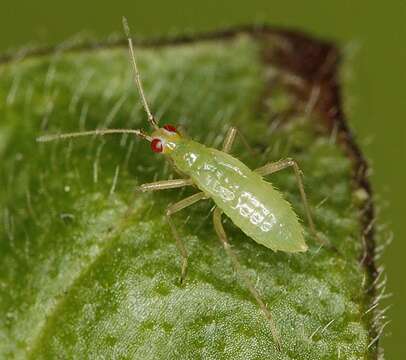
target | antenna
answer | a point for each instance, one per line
(101, 132)
(52, 137)
(137, 76)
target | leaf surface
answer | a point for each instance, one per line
(80, 280)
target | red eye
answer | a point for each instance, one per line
(156, 145)
(170, 128)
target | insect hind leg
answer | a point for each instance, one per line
(218, 226)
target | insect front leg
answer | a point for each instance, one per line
(230, 138)
(172, 209)
(273, 167)
(164, 184)
(218, 226)
(158, 185)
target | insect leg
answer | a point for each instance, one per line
(161, 185)
(172, 209)
(155, 186)
(230, 138)
(273, 167)
(218, 226)
(164, 184)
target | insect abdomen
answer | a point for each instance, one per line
(250, 202)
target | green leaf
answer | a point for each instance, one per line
(78, 281)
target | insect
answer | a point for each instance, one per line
(252, 203)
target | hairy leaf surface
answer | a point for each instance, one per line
(78, 279)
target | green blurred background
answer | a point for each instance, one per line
(372, 32)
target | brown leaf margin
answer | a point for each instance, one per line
(316, 63)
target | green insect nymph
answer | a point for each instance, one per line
(242, 194)
(252, 203)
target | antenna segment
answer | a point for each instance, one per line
(52, 137)
(137, 76)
